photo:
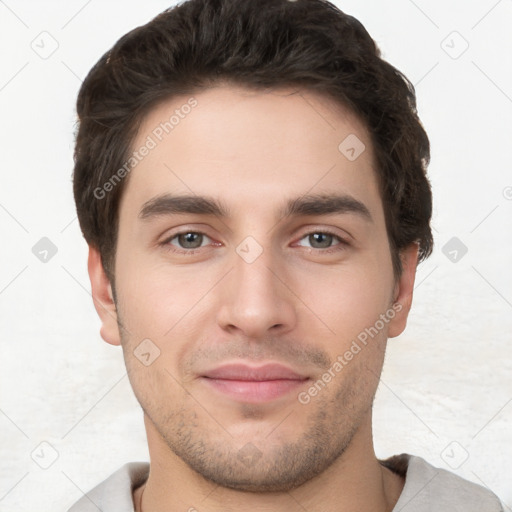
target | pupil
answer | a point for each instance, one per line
(191, 240)
(324, 239)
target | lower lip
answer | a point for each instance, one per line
(254, 391)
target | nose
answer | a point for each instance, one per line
(256, 299)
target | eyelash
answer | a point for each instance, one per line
(171, 248)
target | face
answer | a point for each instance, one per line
(254, 284)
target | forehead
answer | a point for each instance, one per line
(258, 146)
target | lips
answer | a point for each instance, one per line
(249, 384)
(242, 372)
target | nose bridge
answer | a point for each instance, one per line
(256, 284)
(256, 300)
(254, 279)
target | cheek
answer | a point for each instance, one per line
(346, 300)
(155, 297)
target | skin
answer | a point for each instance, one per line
(296, 304)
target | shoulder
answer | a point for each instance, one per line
(115, 493)
(429, 489)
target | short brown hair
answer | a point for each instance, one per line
(262, 44)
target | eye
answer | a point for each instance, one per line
(321, 240)
(187, 240)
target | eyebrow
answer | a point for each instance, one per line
(307, 205)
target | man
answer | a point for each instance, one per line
(250, 179)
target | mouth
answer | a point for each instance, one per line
(251, 384)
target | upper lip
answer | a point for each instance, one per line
(270, 371)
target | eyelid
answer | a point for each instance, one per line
(171, 233)
(340, 245)
(343, 235)
(204, 235)
(179, 233)
(166, 242)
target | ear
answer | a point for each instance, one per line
(403, 291)
(103, 298)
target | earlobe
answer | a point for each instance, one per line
(404, 290)
(103, 298)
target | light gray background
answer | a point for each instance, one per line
(446, 391)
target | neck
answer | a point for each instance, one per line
(355, 481)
